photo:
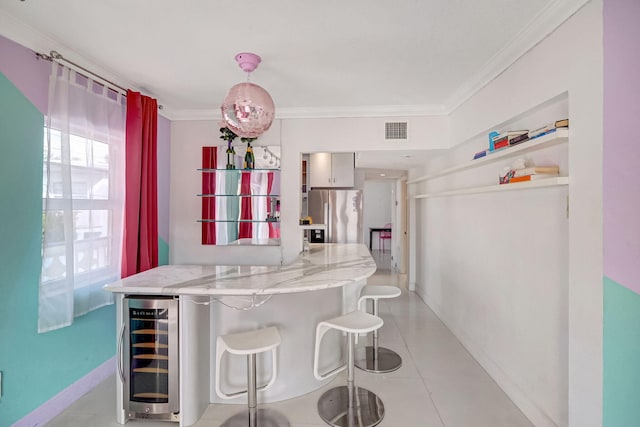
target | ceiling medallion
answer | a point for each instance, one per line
(248, 109)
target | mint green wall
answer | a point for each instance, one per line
(163, 252)
(35, 366)
(621, 356)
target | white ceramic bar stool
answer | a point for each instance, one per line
(348, 406)
(249, 344)
(375, 358)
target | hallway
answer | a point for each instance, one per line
(438, 385)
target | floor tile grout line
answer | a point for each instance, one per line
(413, 361)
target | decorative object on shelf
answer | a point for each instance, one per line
(229, 136)
(231, 155)
(249, 158)
(248, 109)
(506, 175)
(274, 159)
(509, 172)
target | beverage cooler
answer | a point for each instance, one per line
(148, 358)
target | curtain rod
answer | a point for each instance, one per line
(55, 56)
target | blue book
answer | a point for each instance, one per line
(543, 133)
(480, 154)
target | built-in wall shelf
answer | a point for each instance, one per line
(560, 136)
(547, 182)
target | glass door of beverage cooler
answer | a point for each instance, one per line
(152, 358)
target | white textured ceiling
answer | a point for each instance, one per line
(319, 58)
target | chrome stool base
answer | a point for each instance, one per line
(333, 407)
(386, 360)
(259, 418)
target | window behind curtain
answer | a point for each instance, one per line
(82, 197)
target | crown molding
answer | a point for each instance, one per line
(185, 114)
(543, 24)
(318, 113)
(362, 111)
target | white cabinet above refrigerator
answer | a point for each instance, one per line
(331, 170)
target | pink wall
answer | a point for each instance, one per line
(164, 176)
(621, 167)
(26, 72)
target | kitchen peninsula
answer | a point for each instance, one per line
(212, 300)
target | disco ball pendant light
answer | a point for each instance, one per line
(248, 109)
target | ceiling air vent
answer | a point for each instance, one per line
(395, 130)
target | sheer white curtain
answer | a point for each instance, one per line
(83, 189)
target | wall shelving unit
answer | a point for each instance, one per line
(548, 182)
(236, 196)
(560, 136)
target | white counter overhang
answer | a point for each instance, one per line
(324, 266)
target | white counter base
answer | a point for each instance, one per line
(295, 315)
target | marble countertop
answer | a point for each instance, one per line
(324, 266)
(313, 226)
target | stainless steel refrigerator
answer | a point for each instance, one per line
(340, 211)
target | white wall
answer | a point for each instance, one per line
(339, 135)
(400, 237)
(518, 282)
(377, 209)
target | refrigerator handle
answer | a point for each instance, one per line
(327, 216)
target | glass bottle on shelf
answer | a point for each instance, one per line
(249, 158)
(231, 156)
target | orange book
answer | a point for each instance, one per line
(532, 177)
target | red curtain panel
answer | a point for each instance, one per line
(140, 238)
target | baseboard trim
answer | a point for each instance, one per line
(517, 396)
(61, 401)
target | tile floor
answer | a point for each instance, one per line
(438, 385)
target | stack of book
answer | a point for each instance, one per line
(498, 141)
(533, 173)
(512, 137)
(551, 127)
